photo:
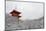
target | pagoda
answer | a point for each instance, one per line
(15, 13)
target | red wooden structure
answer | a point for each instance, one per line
(15, 13)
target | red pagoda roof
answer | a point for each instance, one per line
(14, 11)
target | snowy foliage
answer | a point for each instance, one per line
(23, 25)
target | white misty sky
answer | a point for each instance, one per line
(28, 10)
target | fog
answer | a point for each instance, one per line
(32, 16)
(12, 24)
(28, 10)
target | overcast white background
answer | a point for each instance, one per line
(2, 16)
(29, 10)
